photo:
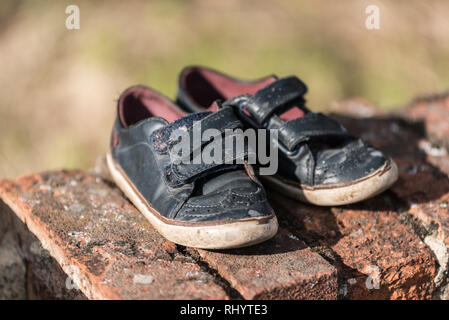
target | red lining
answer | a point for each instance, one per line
(204, 86)
(139, 103)
(292, 113)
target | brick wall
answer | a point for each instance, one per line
(75, 223)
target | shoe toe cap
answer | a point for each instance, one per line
(230, 205)
(349, 167)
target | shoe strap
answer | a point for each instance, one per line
(311, 126)
(231, 157)
(198, 123)
(276, 97)
(189, 166)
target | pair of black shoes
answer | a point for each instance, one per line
(222, 204)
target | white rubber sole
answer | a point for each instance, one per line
(336, 195)
(224, 235)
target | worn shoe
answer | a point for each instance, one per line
(319, 161)
(213, 206)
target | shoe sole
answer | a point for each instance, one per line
(340, 194)
(205, 235)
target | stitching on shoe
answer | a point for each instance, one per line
(247, 195)
(201, 206)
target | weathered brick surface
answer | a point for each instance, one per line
(362, 241)
(281, 268)
(102, 242)
(43, 276)
(385, 234)
(429, 199)
(433, 114)
(106, 236)
(423, 185)
(422, 191)
(394, 246)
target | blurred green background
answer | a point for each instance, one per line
(58, 86)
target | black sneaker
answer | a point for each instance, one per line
(319, 161)
(213, 206)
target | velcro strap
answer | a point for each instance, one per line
(219, 121)
(192, 126)
(234, 151)
(275, 97)
(308, 127)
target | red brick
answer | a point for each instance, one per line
(433, 114)
(424, 189)
(378, 232)
(362, 239)
(96, 235)
(281, 268)
(311, 278)
(384, 232)
(420, 149)
(429, 198)
(423, 185)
